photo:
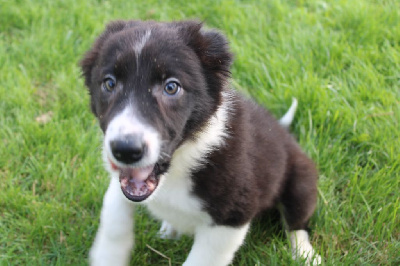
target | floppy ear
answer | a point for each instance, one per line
(212, 48)
(89, 59)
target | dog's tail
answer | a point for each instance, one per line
(287, 119)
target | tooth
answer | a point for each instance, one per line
(124, 183)
(151, 186)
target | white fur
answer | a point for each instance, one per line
(114, 239)
(126, 123)
(138, 46)
(302, 249)
(167, 231)
(287, 119)
(183, 210)
(215, 245)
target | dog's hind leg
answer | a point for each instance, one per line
(299, 201)
(114, 239)
(215, 245)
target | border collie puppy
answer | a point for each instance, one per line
(201, 157)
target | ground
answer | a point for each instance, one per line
(340, 59)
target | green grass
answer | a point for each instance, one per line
(340, 59)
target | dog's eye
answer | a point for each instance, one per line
(172, 88)
(109, 84)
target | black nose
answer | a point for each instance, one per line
(129, 149)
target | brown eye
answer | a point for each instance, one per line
(172, 88)
(109, 84)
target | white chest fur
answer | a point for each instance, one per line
(173, 200)
(174, 204)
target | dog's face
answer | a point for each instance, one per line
(152, 86)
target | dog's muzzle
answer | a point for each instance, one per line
(133, 149)
(137, 182)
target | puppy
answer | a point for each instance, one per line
(201, 157)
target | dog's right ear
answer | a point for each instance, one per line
(90, 58)
(212, 48)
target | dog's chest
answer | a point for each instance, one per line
(175, 204)
(173, 200)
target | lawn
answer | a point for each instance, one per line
(340, 59)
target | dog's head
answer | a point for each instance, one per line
(152, 86)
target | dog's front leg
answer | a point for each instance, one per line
(215, 245)
(114, 239)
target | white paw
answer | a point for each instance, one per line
(310, 256)
(302, 249)
(167, 231)
(109, 252)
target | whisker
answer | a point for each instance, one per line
(166, 154)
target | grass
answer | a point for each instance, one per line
(340, 59)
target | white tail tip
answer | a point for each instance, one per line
(287, 119)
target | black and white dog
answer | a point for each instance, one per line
(177, 139)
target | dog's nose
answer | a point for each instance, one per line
(129, 149)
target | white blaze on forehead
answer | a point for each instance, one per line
(138, 46)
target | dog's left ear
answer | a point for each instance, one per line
(211, 47)
(90, 58)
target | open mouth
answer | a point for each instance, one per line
(138, 184)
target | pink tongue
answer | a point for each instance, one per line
(133, 180)
(138, 174)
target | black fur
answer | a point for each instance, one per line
(259, 165)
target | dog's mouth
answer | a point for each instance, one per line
(138, 184)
